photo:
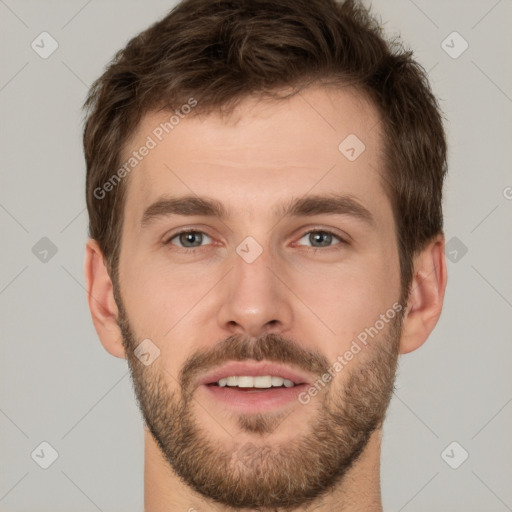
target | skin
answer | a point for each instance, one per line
(314, 302)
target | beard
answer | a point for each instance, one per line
(257, 475)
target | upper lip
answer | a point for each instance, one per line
(254, 369)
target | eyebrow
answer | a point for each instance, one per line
(306, 206)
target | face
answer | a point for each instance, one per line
(266, 283)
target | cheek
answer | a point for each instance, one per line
(162, 303)
(347, 298)
(157, 292)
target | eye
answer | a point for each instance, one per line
(189, 239)
(320, 238)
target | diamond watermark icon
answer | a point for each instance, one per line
(44, 455)
(146, 352)
(454, 455)
(249, 249)
(351, 147)
(44, 45)
(44, 250)
(454, 45)
(455, 249)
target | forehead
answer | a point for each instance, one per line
(319, 140)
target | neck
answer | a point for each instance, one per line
(358, 491)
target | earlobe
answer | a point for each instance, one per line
(100, 297)
(426, 296)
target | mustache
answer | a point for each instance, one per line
(270, 347)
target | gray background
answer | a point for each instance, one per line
(59, 385)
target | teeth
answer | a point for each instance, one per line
(245, 382)
(277, 381)
(264, 382)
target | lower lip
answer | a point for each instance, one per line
(254, 400)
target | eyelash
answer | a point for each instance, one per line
(194, 249)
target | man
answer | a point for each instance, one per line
(264, 188)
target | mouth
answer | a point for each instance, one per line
(252, 388)
(254, 384)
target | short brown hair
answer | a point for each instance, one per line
(220, 52)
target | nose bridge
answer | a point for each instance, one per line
(255, 298)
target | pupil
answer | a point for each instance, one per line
(323, 238)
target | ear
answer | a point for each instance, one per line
(426, 296)
(100, 297)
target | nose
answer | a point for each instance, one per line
(255, 300)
